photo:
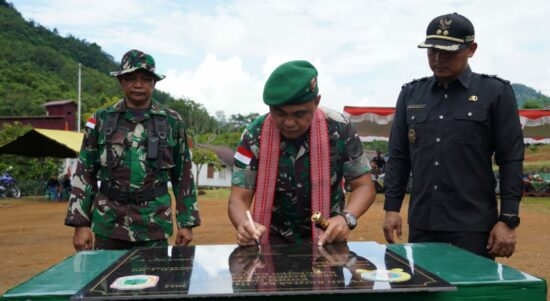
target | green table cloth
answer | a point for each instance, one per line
(476, 278)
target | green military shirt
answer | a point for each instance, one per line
(130, 170)
(291, 212)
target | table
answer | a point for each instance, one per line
(475, 278)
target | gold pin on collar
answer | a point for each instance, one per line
(472, 98)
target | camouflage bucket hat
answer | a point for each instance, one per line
(134, 60)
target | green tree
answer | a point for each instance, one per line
(376, 145)
(533, 104)
(524, 93)
(237, 122)
(229, 139)
(203, 156)
(106, 103)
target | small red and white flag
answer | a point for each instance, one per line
(90, 123)
(243, 155)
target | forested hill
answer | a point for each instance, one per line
(529, 98)
(38, 65)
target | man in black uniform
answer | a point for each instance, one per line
(446, 130)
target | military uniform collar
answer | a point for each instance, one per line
(155, 108)
(297, 147)
(464, 79)
(121, 107)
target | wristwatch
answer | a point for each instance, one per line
(351, 220)
(511, 220)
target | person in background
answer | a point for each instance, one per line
(380, 161)
(52, 188)
(66, 187)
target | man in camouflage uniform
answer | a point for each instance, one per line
(133, 148)
(291, 93)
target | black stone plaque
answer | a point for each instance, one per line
(219, 271)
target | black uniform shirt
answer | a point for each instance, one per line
(447, 138)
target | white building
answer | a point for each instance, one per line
(208, 176)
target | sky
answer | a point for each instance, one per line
(220, 53)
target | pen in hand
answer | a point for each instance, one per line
(249, 217)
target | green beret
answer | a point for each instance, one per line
(294, 82)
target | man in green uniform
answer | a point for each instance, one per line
(133, 148)
(293, 161)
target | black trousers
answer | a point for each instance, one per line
(107, 243)
(475, 242)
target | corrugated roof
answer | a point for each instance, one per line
(58, 102)
(224, 153)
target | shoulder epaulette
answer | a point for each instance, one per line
(495, 77)
(415, 81)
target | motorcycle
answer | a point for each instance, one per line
(8, 188)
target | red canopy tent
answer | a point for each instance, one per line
(374, 123)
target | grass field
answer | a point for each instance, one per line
(536, 158)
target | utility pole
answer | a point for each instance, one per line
(79, 87)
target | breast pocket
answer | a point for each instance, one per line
(418, 130)
(166, 154)
(111, 152)
(471, 126)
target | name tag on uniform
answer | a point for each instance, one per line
(418, 106)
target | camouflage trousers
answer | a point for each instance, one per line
(108, 243)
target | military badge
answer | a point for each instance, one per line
(444, 25)
(393, 275)
(135, 282)
(472, 98)
(313, 84)
(243, 155)
(419, 106)
(91, 123)
(412, 136)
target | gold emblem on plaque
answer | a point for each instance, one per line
(412, 136)
(472, 98)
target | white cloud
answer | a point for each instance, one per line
(213, 259)
(218, 85)
(220, 53)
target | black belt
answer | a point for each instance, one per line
(138, 196)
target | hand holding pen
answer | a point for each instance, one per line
(249, 232)
(249, 217)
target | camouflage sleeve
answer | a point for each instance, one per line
(246, 161)
(187, 208)
(356, 162)
(84, 184)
